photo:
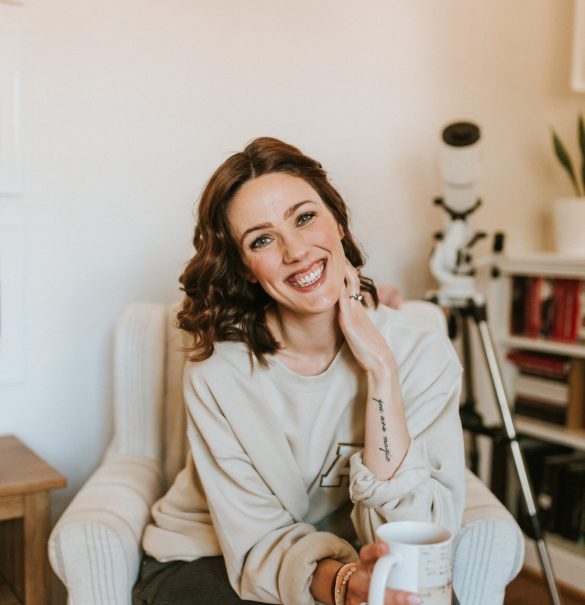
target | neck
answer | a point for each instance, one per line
(308, 337)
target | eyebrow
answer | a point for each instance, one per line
(288, 213)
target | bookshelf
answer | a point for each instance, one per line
(568, 558)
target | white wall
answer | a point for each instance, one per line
(130, 104)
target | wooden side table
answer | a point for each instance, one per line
(25, 484)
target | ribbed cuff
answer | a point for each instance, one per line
(298, 566)
(371, 492)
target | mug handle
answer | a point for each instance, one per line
(378, 579)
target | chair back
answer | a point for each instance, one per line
(175, 443)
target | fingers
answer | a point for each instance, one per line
(349, 289)
(352, 279)
(370, 553)
(359, 583)
(400, 597)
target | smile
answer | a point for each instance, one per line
(307, 278)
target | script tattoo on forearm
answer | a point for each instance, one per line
(386, 448)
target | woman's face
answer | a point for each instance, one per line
(290, 242)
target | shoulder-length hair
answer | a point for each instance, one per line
(220, 304)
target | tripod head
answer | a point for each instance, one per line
(452, 262)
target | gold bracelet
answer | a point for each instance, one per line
(333, 583)
(343, 575)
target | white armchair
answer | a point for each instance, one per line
(95, 546)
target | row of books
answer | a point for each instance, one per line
(550, 308)
(550, 387)
(558, 478)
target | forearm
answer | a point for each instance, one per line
(386, 432)
(430, 483)
(323, 578)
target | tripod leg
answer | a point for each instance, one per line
(480, 315)
(468, 412)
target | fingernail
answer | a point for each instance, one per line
(414, 599)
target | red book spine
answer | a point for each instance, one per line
(559, 297)
(574, 324)
(532, 310)
(569, 326)
(581, 316)
(541, 364)
(519, 293)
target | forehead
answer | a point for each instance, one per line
(267, 197)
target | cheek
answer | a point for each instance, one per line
(339, 251)
(259, 268)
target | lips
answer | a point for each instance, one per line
(308, 276)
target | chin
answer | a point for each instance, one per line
(324, 305)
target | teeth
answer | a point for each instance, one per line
(310, 278)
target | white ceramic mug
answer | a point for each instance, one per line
(420, 560)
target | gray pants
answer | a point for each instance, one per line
(200, 582)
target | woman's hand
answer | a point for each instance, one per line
(386, 437)
(364, 339)
(359, 583)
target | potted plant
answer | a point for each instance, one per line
(569, 212)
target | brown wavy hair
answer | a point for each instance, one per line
(220, 304)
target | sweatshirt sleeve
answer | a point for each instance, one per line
(429, 483)
(269, 556)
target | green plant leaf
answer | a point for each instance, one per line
(582, 148)
(565, 160)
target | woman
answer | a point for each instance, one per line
(300, 401)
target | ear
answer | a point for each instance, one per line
(340, 230)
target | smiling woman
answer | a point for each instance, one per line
(295, 255)
(304, 404)
(224, 301)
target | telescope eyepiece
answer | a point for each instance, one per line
(461, 134)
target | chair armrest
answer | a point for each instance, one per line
(95, 546)
(489, 549)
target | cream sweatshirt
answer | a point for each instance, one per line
(273, 454)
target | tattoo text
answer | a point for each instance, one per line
(386, 448)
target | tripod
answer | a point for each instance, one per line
(474, 308)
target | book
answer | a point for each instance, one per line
(546, 380)
(549, 496)
(541, 364)
(541, 410)
(566, 310)
(581, 314)
(534, 452)
(518, 302)
(572, 498)
(537, 295)
(576, 402)
(573, 302)
(542, 389)
(545, 305)
(547, 308)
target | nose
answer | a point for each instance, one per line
(294, 248)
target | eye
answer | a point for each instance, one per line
(305, 217)
(260, 242)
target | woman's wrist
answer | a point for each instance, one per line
(334, 583)
(381, 367)
(384, 384)
(324, 579)
(341, 582)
